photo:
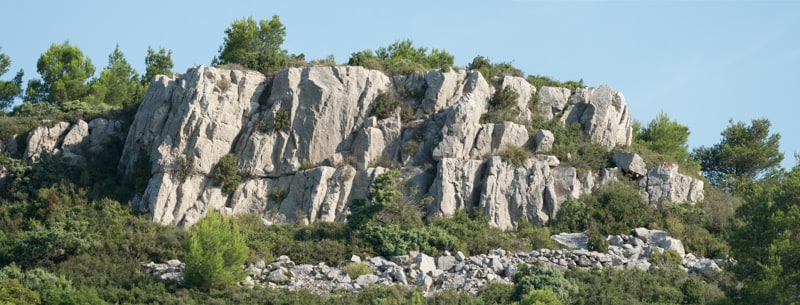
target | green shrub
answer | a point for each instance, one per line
(223, 84)
(215, 251)
(385, 104)
(515, 155)
(402, 57)
(278, 194)
(308, 164)
(490, 71)
(571, 217)
(411, 148)
(539, 80)
(185, 168)
(226, 174)
(503, 107)
(529, 279)
(354, 270)
(617, 208)
(282, 122)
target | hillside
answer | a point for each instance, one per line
(394, 178)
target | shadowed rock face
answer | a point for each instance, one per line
(306, 142)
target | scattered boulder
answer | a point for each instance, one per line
(572, 240)
(630, 163)
(543, 141)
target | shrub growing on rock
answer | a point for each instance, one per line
(226, 174)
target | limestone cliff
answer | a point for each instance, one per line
(307, 142)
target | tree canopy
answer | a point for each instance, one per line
(9, 89)
(744, 154)
(401, 57)
(118, 83)
(64, 71)
(158, 63)
(255, 45)
(215, 251)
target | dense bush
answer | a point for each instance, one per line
(514, 155)
(539, 80)
(215, 251)
(503, 107)
(402, 57)
(490, 71)
(226, 174)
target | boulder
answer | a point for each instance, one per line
(425, 263)
(603, 114)
(630, 163)
(44, 139)
(543, 141)
(552, 101)
(572, 240)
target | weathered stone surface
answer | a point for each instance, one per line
(456, 186)
(425, 263)
(630, 163)
(663, 182)
(493, 138)
(603, 114)
(305, 137)
(510, 192)
(553, 101)
(659, 239)
(572, 240)
(543, 141)
(45, 139)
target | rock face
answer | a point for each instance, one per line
(663, 182)
(79, 141)
(306, 142)
(603, 114)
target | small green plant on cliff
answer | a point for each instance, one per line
(515, 155)
(226, 174)
(385, 104)
(282, 122)
(185, 168)
(490, 70)
(402, 57)
(503, 107)
(278, 194)
(215, 251)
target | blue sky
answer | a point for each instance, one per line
(702, 62)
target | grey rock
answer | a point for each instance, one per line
(278, 276)
(355, 259)
(543, 141)
(426, 263)
(445, 262)
(552, 101)
(572, 240)
(664, 182)
(603, 114)
(44, 139)
(630, 163)
(365, 280)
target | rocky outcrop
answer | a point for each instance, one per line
(505, 192)
(543, 141)
(79, 141)
(553, 101)
(663, 182)
(603, 114)
(449, 271)
(306, 139)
